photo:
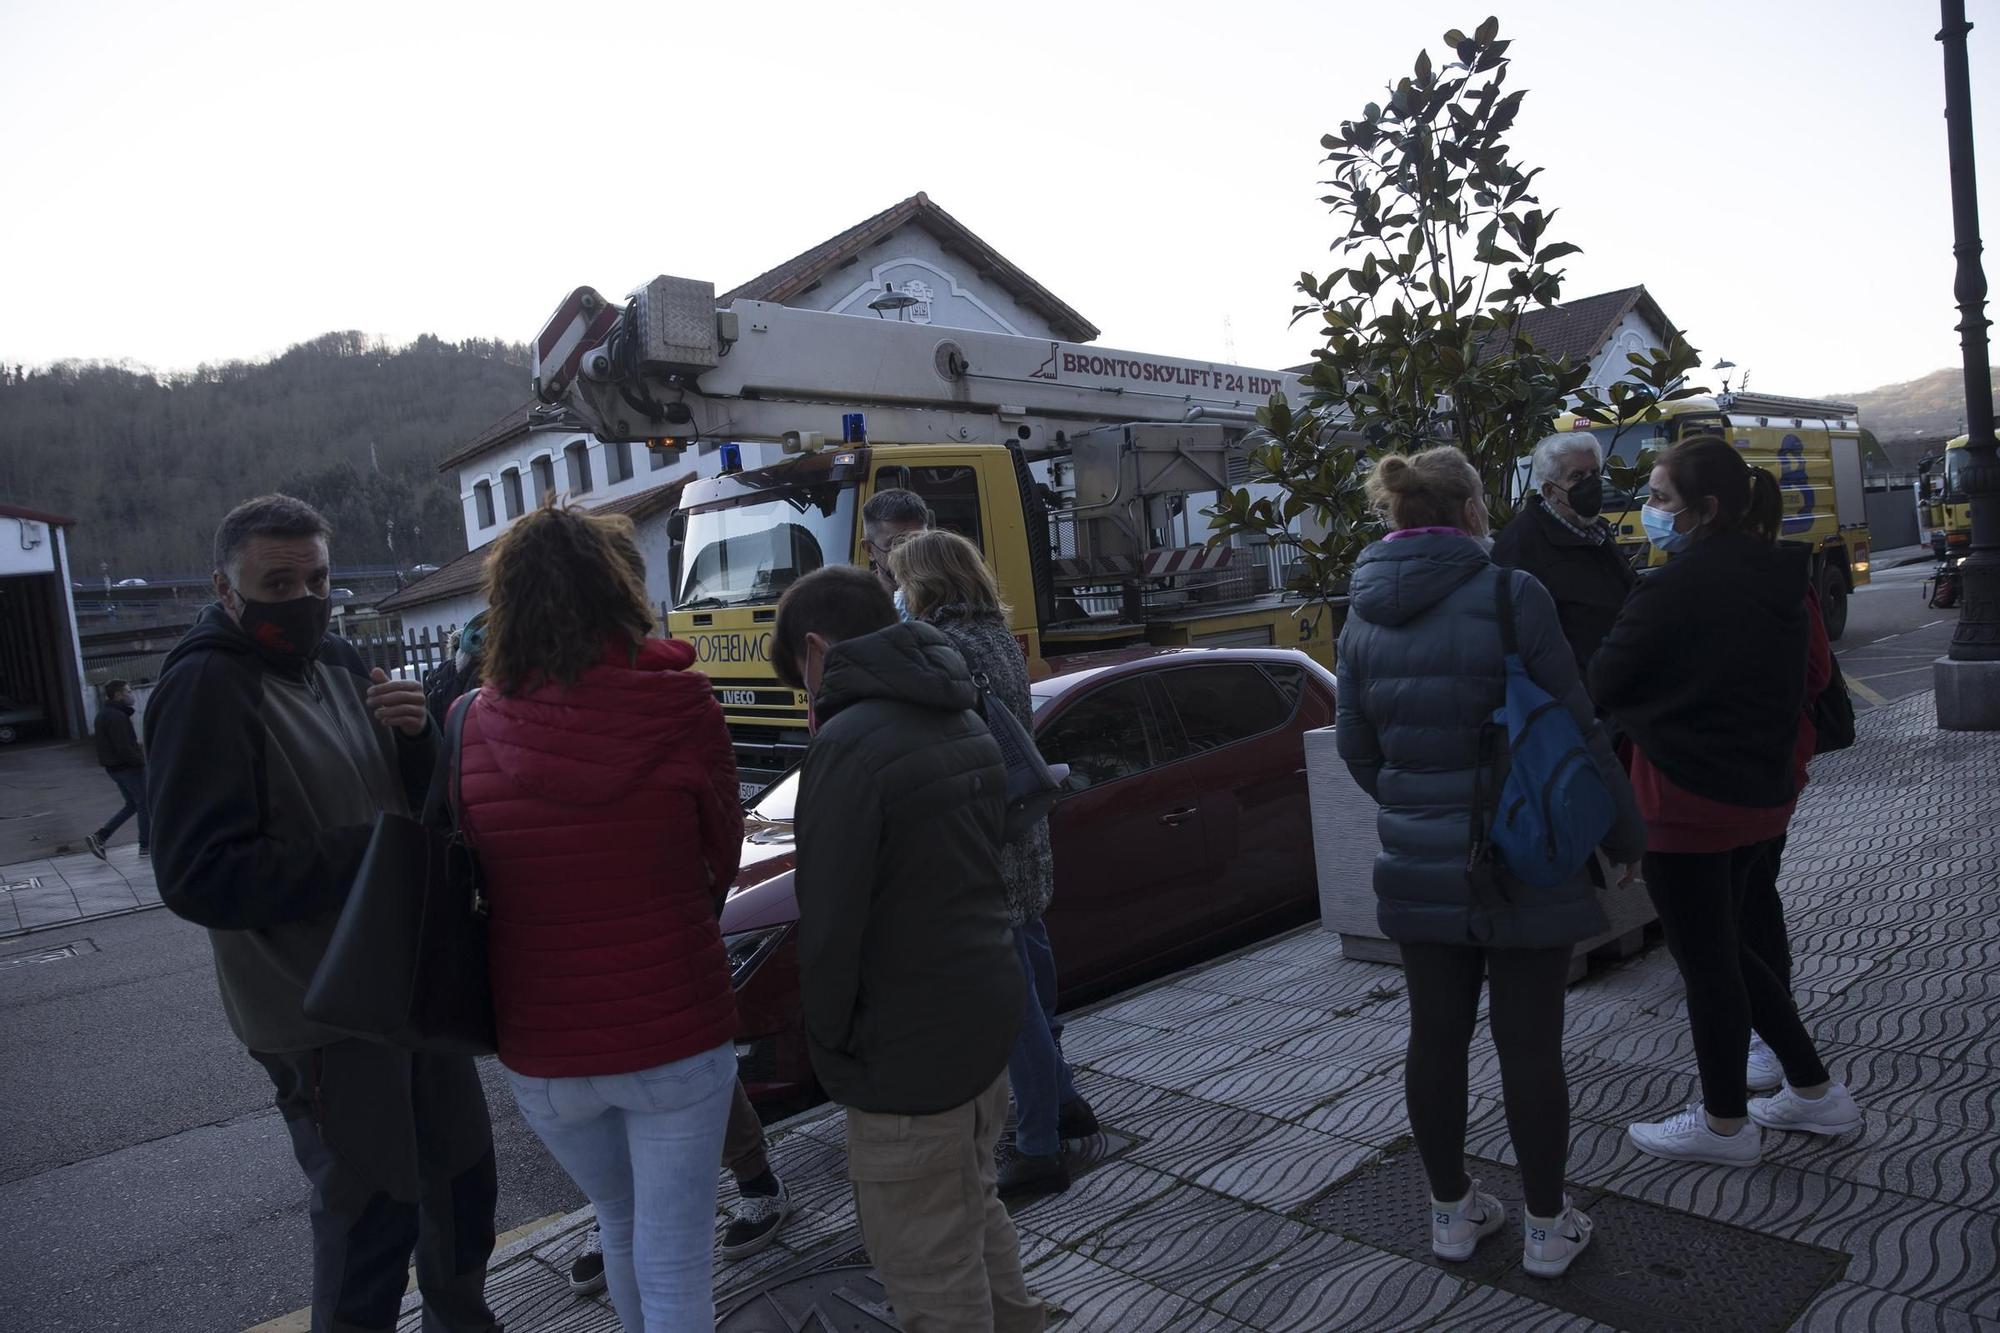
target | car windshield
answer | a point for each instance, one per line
(747, 552)
(776, 802)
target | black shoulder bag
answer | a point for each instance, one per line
(407, 961)
(1831, 713)
(1033, 784)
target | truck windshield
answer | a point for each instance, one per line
(1954, 474)
(747, 551)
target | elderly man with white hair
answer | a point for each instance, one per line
(1560, 538)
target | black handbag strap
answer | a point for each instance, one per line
(441, 802)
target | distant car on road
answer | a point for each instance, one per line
(342, 594)
(1184, 829)
(15, 715)
(131, 583)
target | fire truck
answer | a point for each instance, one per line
(1812, 447)
(1944, 516)
(1079, 471)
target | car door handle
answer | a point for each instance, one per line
(1178, 816)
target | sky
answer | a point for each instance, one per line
(205, 180)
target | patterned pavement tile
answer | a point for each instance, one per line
(1093, 1296)
(1363, 1043)
(1285, 1087)
(1365, 1112)
(1926, 1252)
(1901, 1155)
(1256, 1021)
(1847, 1307)
(1166, 1006)
(1192, 1242)
(1283, 1168)
(1099, 1199)
(1176, 1066)
(1189, 1134)
(1491, 1310)
(1095, 1037)
(1329, 1283)
(1900, 1083)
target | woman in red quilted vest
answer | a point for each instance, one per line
(600, 792)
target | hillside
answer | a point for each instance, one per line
(1929, 408)
(149, 463)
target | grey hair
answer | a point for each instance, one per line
(896, 506)
(1542, 465)
(266, 516)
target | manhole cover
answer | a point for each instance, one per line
(1648, 1269)
(832, 1300)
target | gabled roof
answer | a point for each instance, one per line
(36, 516)
(462, 577)
(1579, 329)
(803, 272)
(530, 416)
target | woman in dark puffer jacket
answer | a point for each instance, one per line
(599, 789)
(1421, 672)
(943, 581)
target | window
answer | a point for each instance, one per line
(1103, 737)
(1220, 705)
(577, 456)
(951, 492)
(618, 461)
(1290, 680)
(510, 492)
(482, 500)
(545, 477)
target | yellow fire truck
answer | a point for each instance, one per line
(1812, 447)
(1078, 470)
(1944, 516)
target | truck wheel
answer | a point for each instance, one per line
(1833, 603)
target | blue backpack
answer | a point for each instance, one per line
(1553, 807)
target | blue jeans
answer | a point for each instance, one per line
(644, 1148)
(1036, 1068)
(132, 786)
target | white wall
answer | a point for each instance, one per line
(1633, 335)
(28, 547)
(959, 298)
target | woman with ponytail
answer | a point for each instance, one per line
(1708, 671)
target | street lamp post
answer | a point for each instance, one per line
(1968, 677)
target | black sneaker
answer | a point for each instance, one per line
(586, 1271)
(1034, 1175)
(95, 841)
(1075, 1120)
(761, 1209)
(145, 852)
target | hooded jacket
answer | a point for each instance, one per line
(117, 743)
(266, 774)
(606, 820)
(1706, 668)
(1420, 673)
(910, 983)
(1589, 581)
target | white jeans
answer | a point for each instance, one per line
(645, 1148)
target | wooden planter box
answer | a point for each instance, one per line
(1345, 844)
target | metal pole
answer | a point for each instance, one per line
(1977, 638)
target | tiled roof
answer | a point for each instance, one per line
(1579, 329)
(803, 272)
(517, 421)
(461, 577)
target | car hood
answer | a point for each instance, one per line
(762, 895)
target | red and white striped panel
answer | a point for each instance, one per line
(579, 324)
(1186, 560)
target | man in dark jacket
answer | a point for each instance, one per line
(910, 984)
(272, 754)
(119, 751)
(1560, 538)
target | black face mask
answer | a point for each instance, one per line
(288, 629)
(1586, 498)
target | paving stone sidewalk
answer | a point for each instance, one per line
(1256, 1137)
(63, 890)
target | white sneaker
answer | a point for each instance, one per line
(1763, 1073)
(1686, 1137)
(1833, 1112)
(1457, 1228)
(1549, 1245)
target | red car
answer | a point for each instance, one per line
(1185, 829)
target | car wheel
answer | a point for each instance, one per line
(1833, 603)
(8, 735)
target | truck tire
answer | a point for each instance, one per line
(1833, 602)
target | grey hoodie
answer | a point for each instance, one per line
(910, 985)
(1420, 671)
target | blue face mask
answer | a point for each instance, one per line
(902, 606)
(1660, 530)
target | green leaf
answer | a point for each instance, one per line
(1558, 251)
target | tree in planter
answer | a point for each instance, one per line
(1444, 250)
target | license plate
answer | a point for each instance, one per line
(737, 698)
(748, 790)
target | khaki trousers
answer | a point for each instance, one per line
(944, 1247)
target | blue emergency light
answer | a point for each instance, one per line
(732, 457)
(853, 429)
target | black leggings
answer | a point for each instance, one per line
(1527, 1021)
(1726, 929)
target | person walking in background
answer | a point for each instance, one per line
(946, 584)
(1708, 671)
(124, 761)
(910, 982)
(599, 791)
(271, 754)
(1561, 538)
(888, 519)
(1420, 672)
(459, 673)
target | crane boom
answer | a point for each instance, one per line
(669, 365)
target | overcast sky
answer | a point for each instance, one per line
(199, 181)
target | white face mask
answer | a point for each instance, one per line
(902, 605)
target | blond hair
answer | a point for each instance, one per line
(1427, 489)
(939, 568)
